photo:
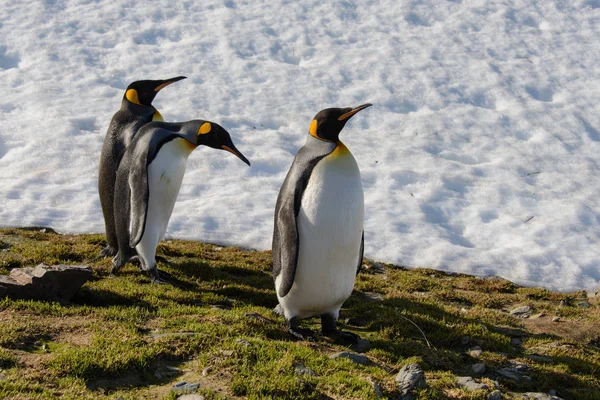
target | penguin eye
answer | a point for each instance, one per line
(204, 128)
(313, 128)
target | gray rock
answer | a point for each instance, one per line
(242, 342)
(469, 383)
(509, 372)
(373, 296)
(519, 366)
(540, 396)
(377, 390)
(522, 312)
(302, 370)
(55, 283)
(583, 304)
(184, 387)
(478, 368)
(495, 395)
(356, 358)
(191, 397)
(475, 351)
(410, 377)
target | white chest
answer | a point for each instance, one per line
(165, 174)
(330, 226)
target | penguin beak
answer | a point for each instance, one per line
(167, 82)
(235, 152)
(353, 111)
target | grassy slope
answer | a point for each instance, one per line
(118, 332)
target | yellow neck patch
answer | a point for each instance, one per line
(157, 116)
(340, 150)
(132, 96)
(313, 129)
(204, 128)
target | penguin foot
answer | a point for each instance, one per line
(343, 336)
(299, 333)
(302, 334)
(107, 252)
(159, 277)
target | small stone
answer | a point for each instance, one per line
(565, 303)
(192, 387)
(522, 312)
(361, 346)
(537, 316)
(302, 370)
(242, 342)
(516, 341)
(475, 351)
(191, 397)
(373, 296)
(465, 340)
(227, 353)
(583, 304)
(179, 387)
(469, 383)
(356, 358)
(509, 373)
(556, 319)
(540, 358)
(410, 377)
(540, 396)
(220, 307)
(377, 391)
(552, 392)
(478, 368)
(519, 366)
(495, 395)
(206, 371)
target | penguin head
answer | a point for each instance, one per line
(143, 92)
(214, 135)
(328, 123)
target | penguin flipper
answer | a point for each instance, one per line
(138, 184)
(361, 252)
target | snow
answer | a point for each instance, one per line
(480, 155)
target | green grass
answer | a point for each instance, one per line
(125, 337)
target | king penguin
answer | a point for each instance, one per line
(136, 110)
(318, 237)
(148, 182)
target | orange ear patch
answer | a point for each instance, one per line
(132, 96)
(204, 128)
(313, 129)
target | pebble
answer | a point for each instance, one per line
(522, 312)
(191, 397)
(184, 387)
(537, 316)
(478, 368)
(410, 377)
(495, 395)
(354, 357)
(583, 304)
(475, 351)
(509, 373)
(540, 396)
(302, 370)
(469, 383)
(206, 371)
(242, 342)
(556, 319)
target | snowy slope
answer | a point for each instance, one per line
(486, 115)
